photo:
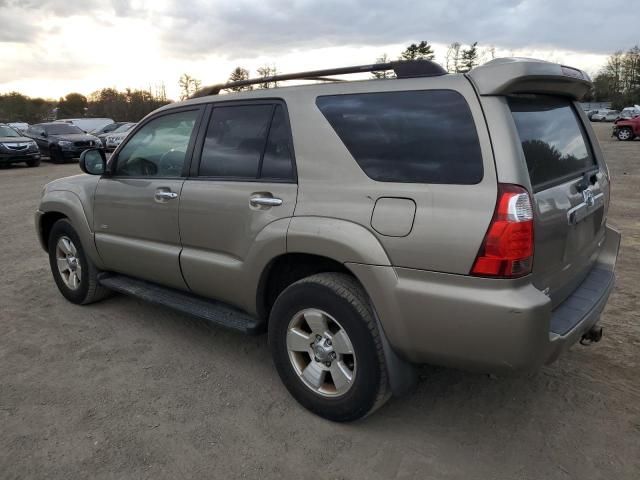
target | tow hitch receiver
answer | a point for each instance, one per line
(592, 336)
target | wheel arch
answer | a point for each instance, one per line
(63, 204)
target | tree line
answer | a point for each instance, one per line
(458, 59)
(129, 105)
(618, 81)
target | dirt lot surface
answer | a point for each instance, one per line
(123, 389)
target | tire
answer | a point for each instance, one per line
(87, 289)
(341, 301)
(55, 155)
(33, 163)
(625, 134)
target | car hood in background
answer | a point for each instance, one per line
(15, 140)
(73, 137)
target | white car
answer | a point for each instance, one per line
(114, 139)
(630, 112)
(605, 116)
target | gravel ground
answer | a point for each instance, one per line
(123, 389)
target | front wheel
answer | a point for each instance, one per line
(624, 134)
(327, 349)
(55, 155)
(75, 275)
(33, 162)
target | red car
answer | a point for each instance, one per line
(627, 128)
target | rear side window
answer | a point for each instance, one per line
(425, 136)
(553, 139)
(247, 142)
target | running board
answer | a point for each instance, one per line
(216, 313)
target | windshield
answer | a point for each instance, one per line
(8, 132)
(61, 129)
(124, 128)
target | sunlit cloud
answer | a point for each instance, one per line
(52, 47)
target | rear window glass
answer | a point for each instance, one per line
(552, 139)
(423, 136)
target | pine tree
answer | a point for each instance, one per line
(420, 51)
(469, 58)
(239, 74)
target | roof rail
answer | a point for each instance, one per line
(402, 69)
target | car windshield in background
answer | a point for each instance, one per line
(124, 128)
(415, 136)
(62, 129)
(8, 132)
(552, 139)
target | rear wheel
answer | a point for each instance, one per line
(625, 134)
(327, 349)
(75, 275)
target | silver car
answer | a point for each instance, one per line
(605, 116)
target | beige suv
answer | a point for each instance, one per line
(367, 226)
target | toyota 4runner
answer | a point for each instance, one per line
(367, 226)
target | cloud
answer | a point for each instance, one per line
(252, 27)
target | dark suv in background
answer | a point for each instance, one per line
(16, 148)
(61, 141)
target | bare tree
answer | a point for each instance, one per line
(188, 86)
(267, 71)
(386, 73)
(452, 59)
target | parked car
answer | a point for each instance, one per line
(107, 128)
(88, 125)
(114, 139)
(19, 126)
(630, 112)
(627, 128)
(591, 113)
(366, 226)
(605, 116)
(16, 148)
(61, 141)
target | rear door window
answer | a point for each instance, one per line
(553, 139)
(248, 142)
(422, 136)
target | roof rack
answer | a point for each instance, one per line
(402, 69)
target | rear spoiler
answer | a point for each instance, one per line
(505, 76)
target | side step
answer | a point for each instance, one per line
(216, 313)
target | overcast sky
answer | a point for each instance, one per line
(52, 47)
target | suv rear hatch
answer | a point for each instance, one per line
(570, 191)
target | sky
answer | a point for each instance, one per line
(53, 47)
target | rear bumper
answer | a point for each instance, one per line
(484, 324)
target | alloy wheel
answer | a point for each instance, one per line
(68, 263)
(321, 353)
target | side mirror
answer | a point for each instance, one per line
(44, 135)
(93, 161)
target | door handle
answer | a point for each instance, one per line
(165, 195)
(264, 201)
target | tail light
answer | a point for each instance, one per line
(507, 249)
